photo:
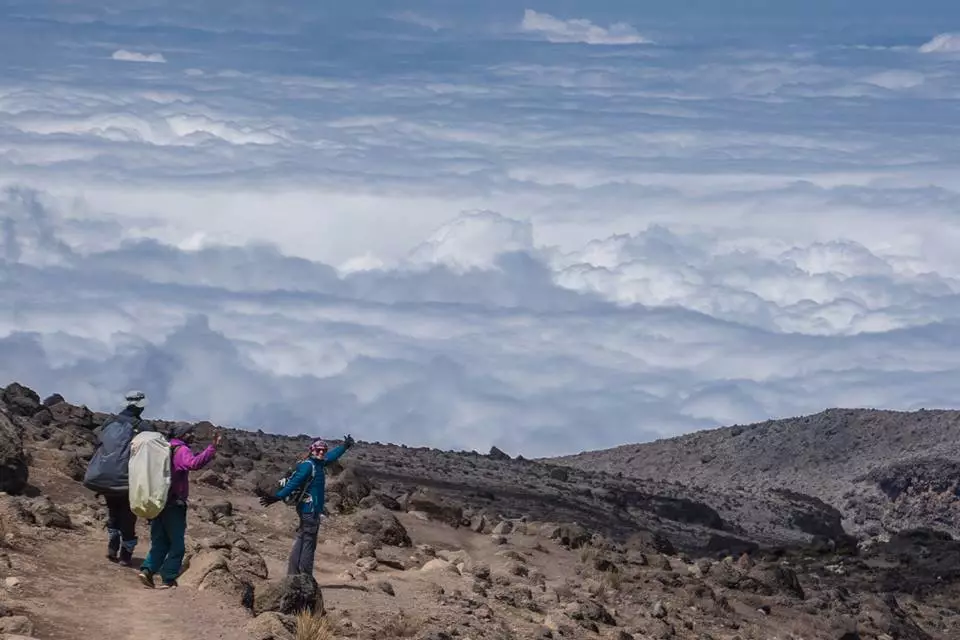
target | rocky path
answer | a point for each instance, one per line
(75, 593)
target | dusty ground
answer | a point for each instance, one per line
(438, 545)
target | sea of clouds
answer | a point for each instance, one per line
(545, 227)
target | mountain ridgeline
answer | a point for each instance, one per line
(884, 471)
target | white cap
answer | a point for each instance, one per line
(136, 399)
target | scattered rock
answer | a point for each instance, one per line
(382, 526)
(518, 597)
(212, 479)
(272, 626)
(658, 611)
(53, 400)
(367, 564)
(777, 580)
(245, 562)
(654, 541)
(786, 579)
(210, 570)
(290, 595)
(560, 474)
(435, 506)
(352, 487)
(572, 536)
(66, 415)
(503, 528)
(439, 565)
(590, 610)
(479, 524)
(220, 510)
(45, 513)
(382, 499)
(19, 625)
(386, 587)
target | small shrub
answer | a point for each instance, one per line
(614, 580)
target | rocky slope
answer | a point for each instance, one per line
(885, 471)
(432, 545)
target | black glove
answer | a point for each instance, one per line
(268, 500)
(348, 440)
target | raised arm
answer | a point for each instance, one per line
(185, 459)
(334, 454)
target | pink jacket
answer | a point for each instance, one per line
(183, 463)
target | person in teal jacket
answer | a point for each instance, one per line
(309, 474)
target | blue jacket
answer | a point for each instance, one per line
(313, 501)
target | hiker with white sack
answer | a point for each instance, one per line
(169, 527)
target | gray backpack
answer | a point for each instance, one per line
(108, 472)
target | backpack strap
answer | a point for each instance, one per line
(305, 489)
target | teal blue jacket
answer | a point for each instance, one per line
(313, 500)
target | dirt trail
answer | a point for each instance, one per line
(76, 594)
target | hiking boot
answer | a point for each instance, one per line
(172, 584)
(112, 556)
(146, 577)
(126, 558)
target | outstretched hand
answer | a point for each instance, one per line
(267, 500)
(348, 441)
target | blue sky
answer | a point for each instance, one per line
(549, 227)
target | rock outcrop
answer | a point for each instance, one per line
(14, 471)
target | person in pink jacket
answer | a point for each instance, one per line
(168, 530)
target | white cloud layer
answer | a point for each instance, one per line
(133, 56)
(459, 236)
(579, 30)
(943, 43)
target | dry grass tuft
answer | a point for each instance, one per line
(313, 627)
(401, 626)
(614, 580)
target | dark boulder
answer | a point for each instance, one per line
(352, 487)
(560, 474)
(21, 400)
(382, 526)
(572, 536)
(52, 400)
(497, 454)
(291, 595)
(14, 472)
